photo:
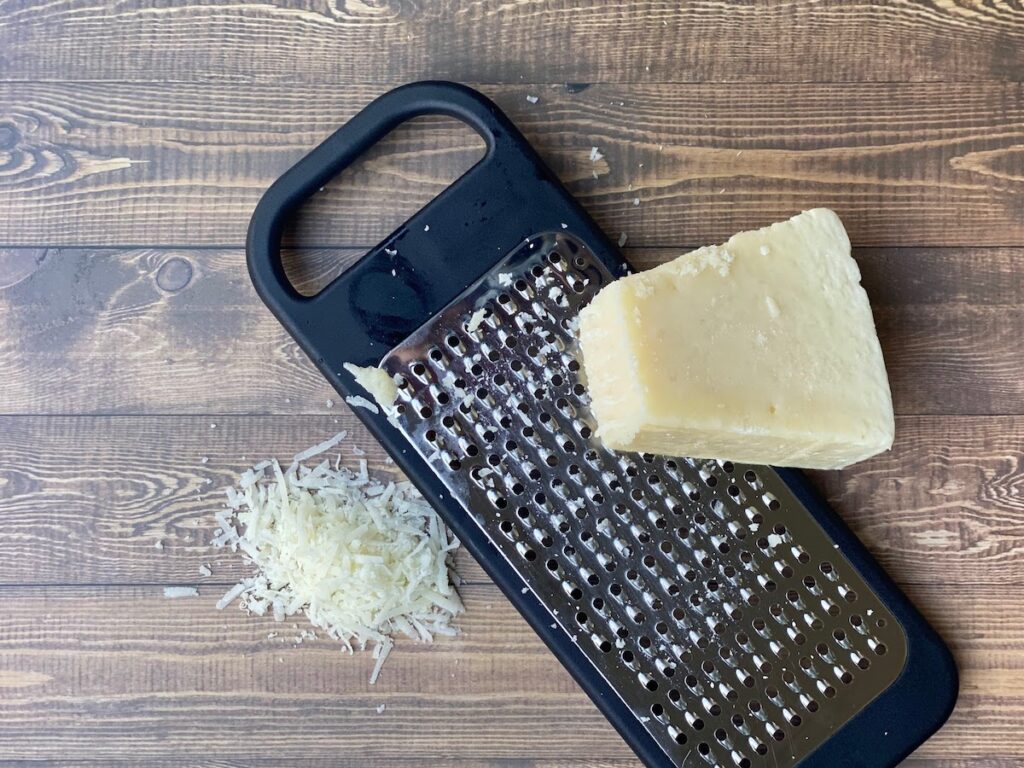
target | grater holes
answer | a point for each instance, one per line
(673, 490)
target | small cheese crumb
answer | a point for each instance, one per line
(376, 381)
(329, 403)
(173, 592)
(765, 250)
(564, 225)
(390, 251)
(158, 544)
(595, 154)
(204, 460)
(380, 709)
(426, 227)
(475, 320)
(205, 570)
(358, 401)
(622, 239)
(636, 201)
(532, 99)
(212, 425)
(774, 540)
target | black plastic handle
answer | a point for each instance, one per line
(444, 256)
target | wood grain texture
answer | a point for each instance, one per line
(513, 40)
(904, 165)
(146, 330)
(181, 679)
(86, 499)
(135, 140)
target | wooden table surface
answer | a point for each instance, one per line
(135, 139)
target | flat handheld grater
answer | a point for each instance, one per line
(717, 614)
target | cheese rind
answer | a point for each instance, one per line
(762, 351)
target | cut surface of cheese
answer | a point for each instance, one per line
(759, 351)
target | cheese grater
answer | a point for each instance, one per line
(718, 614)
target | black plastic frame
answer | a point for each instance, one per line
(508, 196)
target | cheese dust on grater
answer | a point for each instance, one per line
(362, 558)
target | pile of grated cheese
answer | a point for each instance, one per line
(363, 559)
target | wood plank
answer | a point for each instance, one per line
(171, 164)
(343, 761)
(182, 331)
(178, 678)
(86, 499)
(495, 41)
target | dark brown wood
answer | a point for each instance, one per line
(904, 165)
(104, 672)
(516, 40)
(144, 330)
(87, 498)
(135, 139)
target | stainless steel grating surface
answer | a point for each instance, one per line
(704, 593)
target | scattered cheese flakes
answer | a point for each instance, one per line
(532, 99)
(180, 592)
(364, 559)
(358, 401)
(595, 154)
(390, 251)
(380, 709)
(381, 652)
(301, 456)
(158, 544)
(204, 459)
(231, 594)
(205, 570)
(505, 279)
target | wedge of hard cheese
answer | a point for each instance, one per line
(761, 351)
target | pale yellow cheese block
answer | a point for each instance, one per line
(762, 351)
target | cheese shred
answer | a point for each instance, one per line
(364, 559)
